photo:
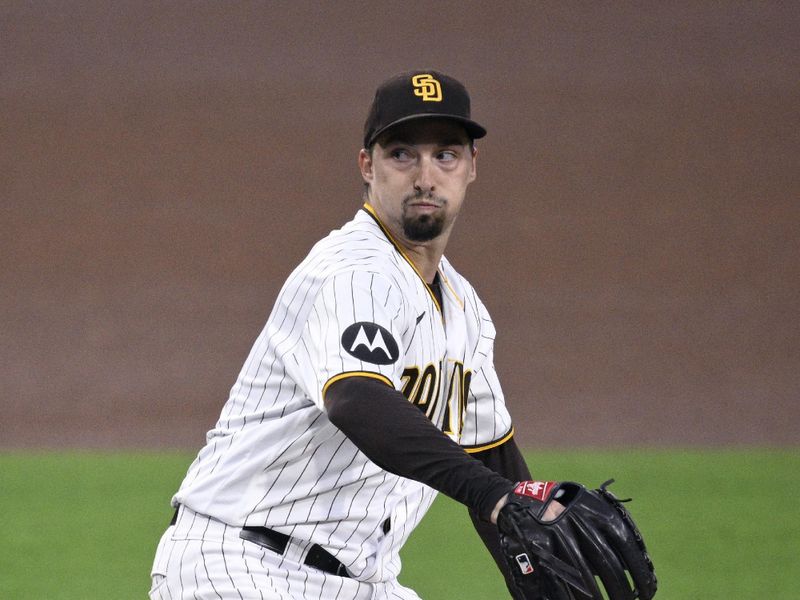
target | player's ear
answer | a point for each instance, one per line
(474, 172)
(365, 165)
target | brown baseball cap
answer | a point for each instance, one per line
(416, 95)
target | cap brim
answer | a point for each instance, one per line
(474, 130)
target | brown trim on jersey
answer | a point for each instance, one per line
(347, 374)
(371, 212)
(490, 445)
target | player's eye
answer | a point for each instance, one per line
(401, 154)
(447, 155)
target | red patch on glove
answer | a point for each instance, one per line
(539, 490)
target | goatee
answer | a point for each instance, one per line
(424, 227)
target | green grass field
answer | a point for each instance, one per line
(719, 524)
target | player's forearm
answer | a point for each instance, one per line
(365, 410)
(507, 460)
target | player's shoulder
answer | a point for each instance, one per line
(356, 249)
(358, 240)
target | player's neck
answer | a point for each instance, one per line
(425, 260)
(425, 255)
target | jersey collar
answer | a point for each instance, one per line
(371, 212)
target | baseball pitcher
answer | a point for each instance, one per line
(371, 388)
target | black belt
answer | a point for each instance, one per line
(317, 556)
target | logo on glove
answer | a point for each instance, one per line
(524, 564)
(538, 490)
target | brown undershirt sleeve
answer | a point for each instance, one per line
(398, 437)
(507, 460)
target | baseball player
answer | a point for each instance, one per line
(371, 387)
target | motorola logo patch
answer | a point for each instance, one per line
(371, 343)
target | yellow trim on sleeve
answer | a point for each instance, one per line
(369, 374)
(490, 445)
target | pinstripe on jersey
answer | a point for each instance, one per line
(273, 459)
(200, 557)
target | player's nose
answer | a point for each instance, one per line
(423, 181)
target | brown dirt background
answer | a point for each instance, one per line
(635, 227)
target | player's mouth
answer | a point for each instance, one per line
(427, 204)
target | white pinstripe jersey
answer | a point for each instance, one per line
(273, 458)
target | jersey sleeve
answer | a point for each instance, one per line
(487, 422)
(352, 330)
(486, 419)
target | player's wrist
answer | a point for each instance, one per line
(500, 504)
(531, 493)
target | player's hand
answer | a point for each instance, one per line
(551, 511)
(564, 541)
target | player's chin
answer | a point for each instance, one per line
(423, 228)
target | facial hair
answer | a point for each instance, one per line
(423, 227)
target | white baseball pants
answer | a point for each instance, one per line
(202, 558)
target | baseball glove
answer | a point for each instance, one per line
(591, 551)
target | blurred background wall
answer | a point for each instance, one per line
(634, 229)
